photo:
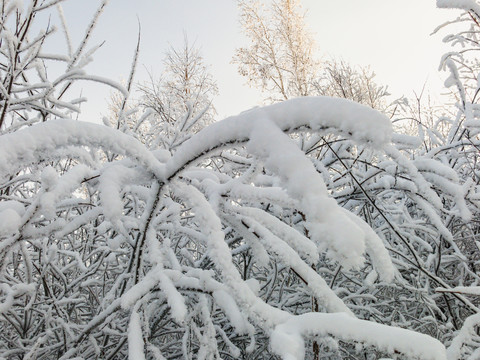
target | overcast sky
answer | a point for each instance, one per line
(391, 36)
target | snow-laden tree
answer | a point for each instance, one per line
(420, 194)
(460, 151)
(423, 197)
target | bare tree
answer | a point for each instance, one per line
(280, 57)
(181, 99)
(340, 79)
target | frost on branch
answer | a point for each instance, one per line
(29, 93)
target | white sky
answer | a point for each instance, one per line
(391, 36)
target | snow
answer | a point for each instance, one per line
(102, 80)
(14, 205)
(79, 221)
(12, 292)
(340, 116)
(226, 302)
(466, 290)
(157, 277)
(263, 127)
(375, 248)
(28, 146)
(287, 338)
(135, 338)
(286, 255)
(407, 141)
(466, 5)
(264, 315)
(300, 243)
(10, 222)
(446, 179)
(465, 335)
(342, 239)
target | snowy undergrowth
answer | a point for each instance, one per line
(169, 233)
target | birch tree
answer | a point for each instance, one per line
(281, 58)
